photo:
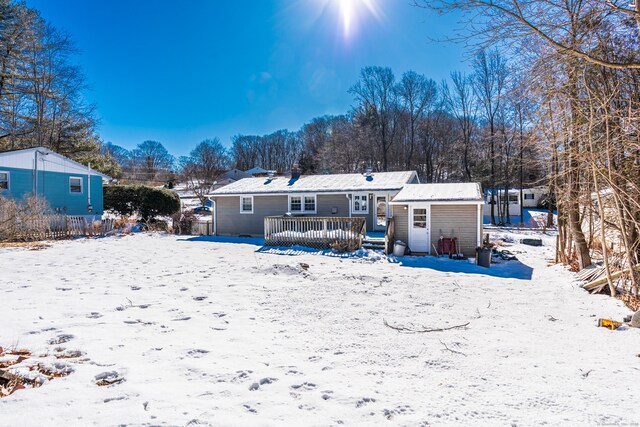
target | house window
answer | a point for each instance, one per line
(305, 203)
(309, 203)
(75, 184)
(360, 203)
(528, 196)
(513, 199)
(246, 204)
(4, 181)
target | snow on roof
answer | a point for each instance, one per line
(439, 192)
(379, 181)
(52, 161)
(256, 170)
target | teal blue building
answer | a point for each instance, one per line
(69, 187)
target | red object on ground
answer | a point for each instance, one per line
(447, 245)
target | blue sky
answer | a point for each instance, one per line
(181, 72)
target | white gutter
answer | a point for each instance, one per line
(215, 223)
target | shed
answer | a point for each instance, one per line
(425, 213)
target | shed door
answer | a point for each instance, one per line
(419, 230)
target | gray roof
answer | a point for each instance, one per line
(470, 191)
(336, 183)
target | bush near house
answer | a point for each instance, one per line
(148, 202)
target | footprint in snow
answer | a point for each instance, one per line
(179, 319)
(61, 339)
(94, 315)
(304, 386)
(360, 403)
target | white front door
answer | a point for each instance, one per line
(380, 214)
(419, 229)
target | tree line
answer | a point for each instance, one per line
(41, 90)
(580, 87)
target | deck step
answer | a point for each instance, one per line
(374, 240)
(373, 246)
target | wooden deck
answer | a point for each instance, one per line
(339, 233)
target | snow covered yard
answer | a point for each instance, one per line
(222, 333)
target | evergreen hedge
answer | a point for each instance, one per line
(148, 202)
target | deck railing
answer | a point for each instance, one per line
(341, 233)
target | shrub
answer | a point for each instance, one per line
(148, 202)
(23, 220)
(182, 222)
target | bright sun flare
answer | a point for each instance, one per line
(352, 10)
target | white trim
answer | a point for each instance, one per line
(375, 211)
(302, 197)
(353, 203)
(8, 181)
(81, 185)
(242, 211)
(440, 202)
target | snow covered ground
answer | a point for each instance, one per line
(216, 332)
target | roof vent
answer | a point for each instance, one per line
(368, 172)
(270, 174)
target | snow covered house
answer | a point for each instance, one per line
(426, 213)
(240, 208)
(422, 212)
(69, 187)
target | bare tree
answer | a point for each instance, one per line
(377, 106)
(417, 95)
(204, 166)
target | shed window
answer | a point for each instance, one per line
(4, 180)
(420, 218)
(246, 204)
(305, 203)
(75, 184)
(513, 198)
(360, 203)
(528, 196)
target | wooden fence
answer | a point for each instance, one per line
(54, 228)
(341, 233)
(202, 228)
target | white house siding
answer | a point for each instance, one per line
(459, 221)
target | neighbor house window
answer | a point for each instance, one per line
(528, 196)
(360, 203)
(246, 204)
(304, 203)
(4, 181)
(75, 184)
(513, 198)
